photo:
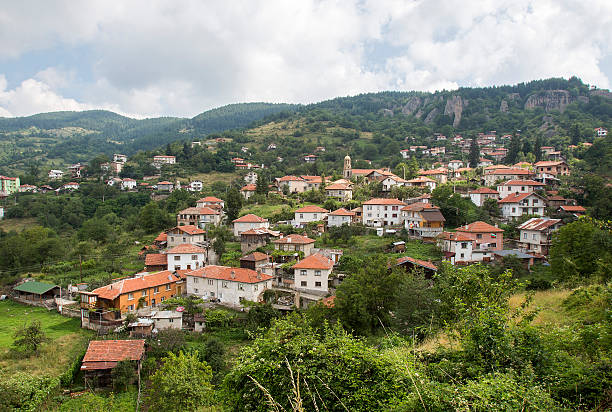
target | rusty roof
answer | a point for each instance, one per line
(105, 354)
(140, 282)
(423, 263)
(538, 223)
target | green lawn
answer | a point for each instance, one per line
(16, 224)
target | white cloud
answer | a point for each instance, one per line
(163, 57)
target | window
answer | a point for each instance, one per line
(463, 245)
(130, 296)
(210, 281)
(172, 238)
(178, 267)
(317, 273)
(177, 258)
(301, 215)
(525, 235)
(167, 287)
(184, 240)
(317, 284)
(195, 280)
(255, 287)
(303, 272)
(513, 210)
(224, 284)
(196, 291)
(152, 302)
(163, 298)
(194, 257)
(156, 290)
(462, 255)
(240, 286)
(170, 320)
(304, 283)
(534, 236)
(479, 236)
(131, 307)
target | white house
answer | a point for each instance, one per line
(312, 274)
(340, 191)
(167, 319)
(119, 158)
(250, 178)
(601, 132)
(422, 181)
(229, 285)
(308, 214)
(294, 242)
(382, 212)
(248, 222)
(390, 181)
(536, 234)
(340, 217)
(71, 186)
(165, 186)
(457, 247)
(128, 184)
(198, 216)
(518, 186)
(455, 164)
(55, 174)
(185, 257)
(294, 184)
(212, 202)
(310, 158)
(158, 161)
(248, 190)
(478, 196)
(195, 186)
(187, 234)
(519, 204)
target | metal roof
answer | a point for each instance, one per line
(37, 288)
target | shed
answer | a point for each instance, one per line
(103, 355)
(36, 291)
(167, 319)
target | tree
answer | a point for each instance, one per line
(261, 188)
(575, 133)
(233, 204)
(513, 149)
(417, 306)
(95, 229)
(183, 383)
(29, 337)
(123, 374)
(537, 148)
(167, 341)
(152, 218)
(474, 153)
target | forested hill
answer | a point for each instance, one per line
(60, 138)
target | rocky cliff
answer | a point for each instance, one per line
(454, 106)
(412, 105)
(549, 100)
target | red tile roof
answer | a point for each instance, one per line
(455, 237)
(420, 179)
(526, 182)
(255, 257)
(289, 179)
(579, 209)
(186, 248)
(338, 186)
(424, 263)
(538, 223)
(105, 354)
(295, 239)
(260, 231)
(165, 182)
(137, 283)
(250, 218)
(382, 201)
(508, 171)
(156, 259)
(232, 274)
(190, 230)
(210, 199)
(311, 209)
(418, 206)
(198, 211)
(479, 227)
(162, 237)
(248, 188)
(315, 261)
(545, 163)
(515, 197)
(483, 190)
(342, 212)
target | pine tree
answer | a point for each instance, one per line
(575, 133)
(513, 149)
(537, 148)
(474, 153)
(233, 204)
(261, 188)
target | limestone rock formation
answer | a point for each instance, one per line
(432, 115)
(413, 103)
(387, 112)
(503, 107)
(549, 100)
(454, 106)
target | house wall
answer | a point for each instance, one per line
(382, 215)
(483, 240)
(225, 290)
(180, 238)
(153, 296)
(240, 227)
(169, 323)
(311, 279)
(184, 261)
(307, 249)
(302, 218)
(333, 220)
(529, 206)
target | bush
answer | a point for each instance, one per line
(25, 392)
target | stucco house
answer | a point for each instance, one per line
(478, 196)
(294, 242)
(312, 273)
(340, 217)
(381, 212)
(248, 222)
(180, 235)
(186, 257)
(519, 204)
(309, 214)
(536, 234)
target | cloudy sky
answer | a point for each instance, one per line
(152, 57)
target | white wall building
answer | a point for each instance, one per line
(519, 204)
(536, 235)
(382, 212)
(308, 214)
(167, 319)
(55, 174)
(187, 234)
(340, 217)
(195, 186)
(128, 184)
(186, 257)
(481, 194)
(312, 274)
(518, 186)
(248, 222)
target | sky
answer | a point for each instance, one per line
(149, 58)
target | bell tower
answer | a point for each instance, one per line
(347, 171)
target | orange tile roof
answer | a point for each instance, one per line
(526, 182)
(342, 212)
(162, 237)
(419, 206)
(260, 231)
(289, 179)
(255, 257)
(515, 197)
(210, 199)
(248, 188)
(420, 179)
(361, 172)
(312, 179)
(165, 182)
(295, 239)
(129, 285)
(482, 190)
(190, 229)
(242, 275)
(383, 201)
(186, 248)
(479, 227)
(311, 209)
(455, 237)
(549, 163)
(508, 171)
(573, 208)
(425, 263)
(315, 261)
(156, 259)
(338, 186)
(198, 211)
(105, 354)
(250, 218)
(433, 172)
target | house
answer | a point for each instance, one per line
(423, 220)
(125, 295)
(27, 188)
(165, 186)
(478, 196)
(554, 201)
(120, 158)
(9, 185)
(410, 264)
(486, 238)
(311, 274)
(55, 174)
(536, 234)
(310, 158)
(255, 238)
(422, 181)
(250, 178)
(457, 247)
(186, 257)
(75, 170)
(294, 243)
(309, 214)
(552, 168)
(382, 212)
(102, 357)
(198, 216)
(229, 285)
(340, 217)
(358, 214)
(186, 234)
(248, 190)
(167, 319)
(195, 186)
(254, 260)
(155, 262)
(482, 162)
(493, 176)
(440, 175)
(199, 322)
(158, 161)
(294, 184)
(237, 160)
(546, 150)
(519, 204)
(341, 191)
(389, 182)
(247, 222)
(212, 202)
(519, 186)
(574, 210)
(70, 186)
(455, 164)
(526, 259)
(34, 291)
(601, 132)
(313, 182)
(128, 184)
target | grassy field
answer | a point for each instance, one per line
(209, 178)
(66, 339)
(16, 224)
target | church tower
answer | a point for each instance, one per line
(347, 172)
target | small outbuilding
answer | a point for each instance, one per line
(103, 355)
(36, 291)
(167, 319)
